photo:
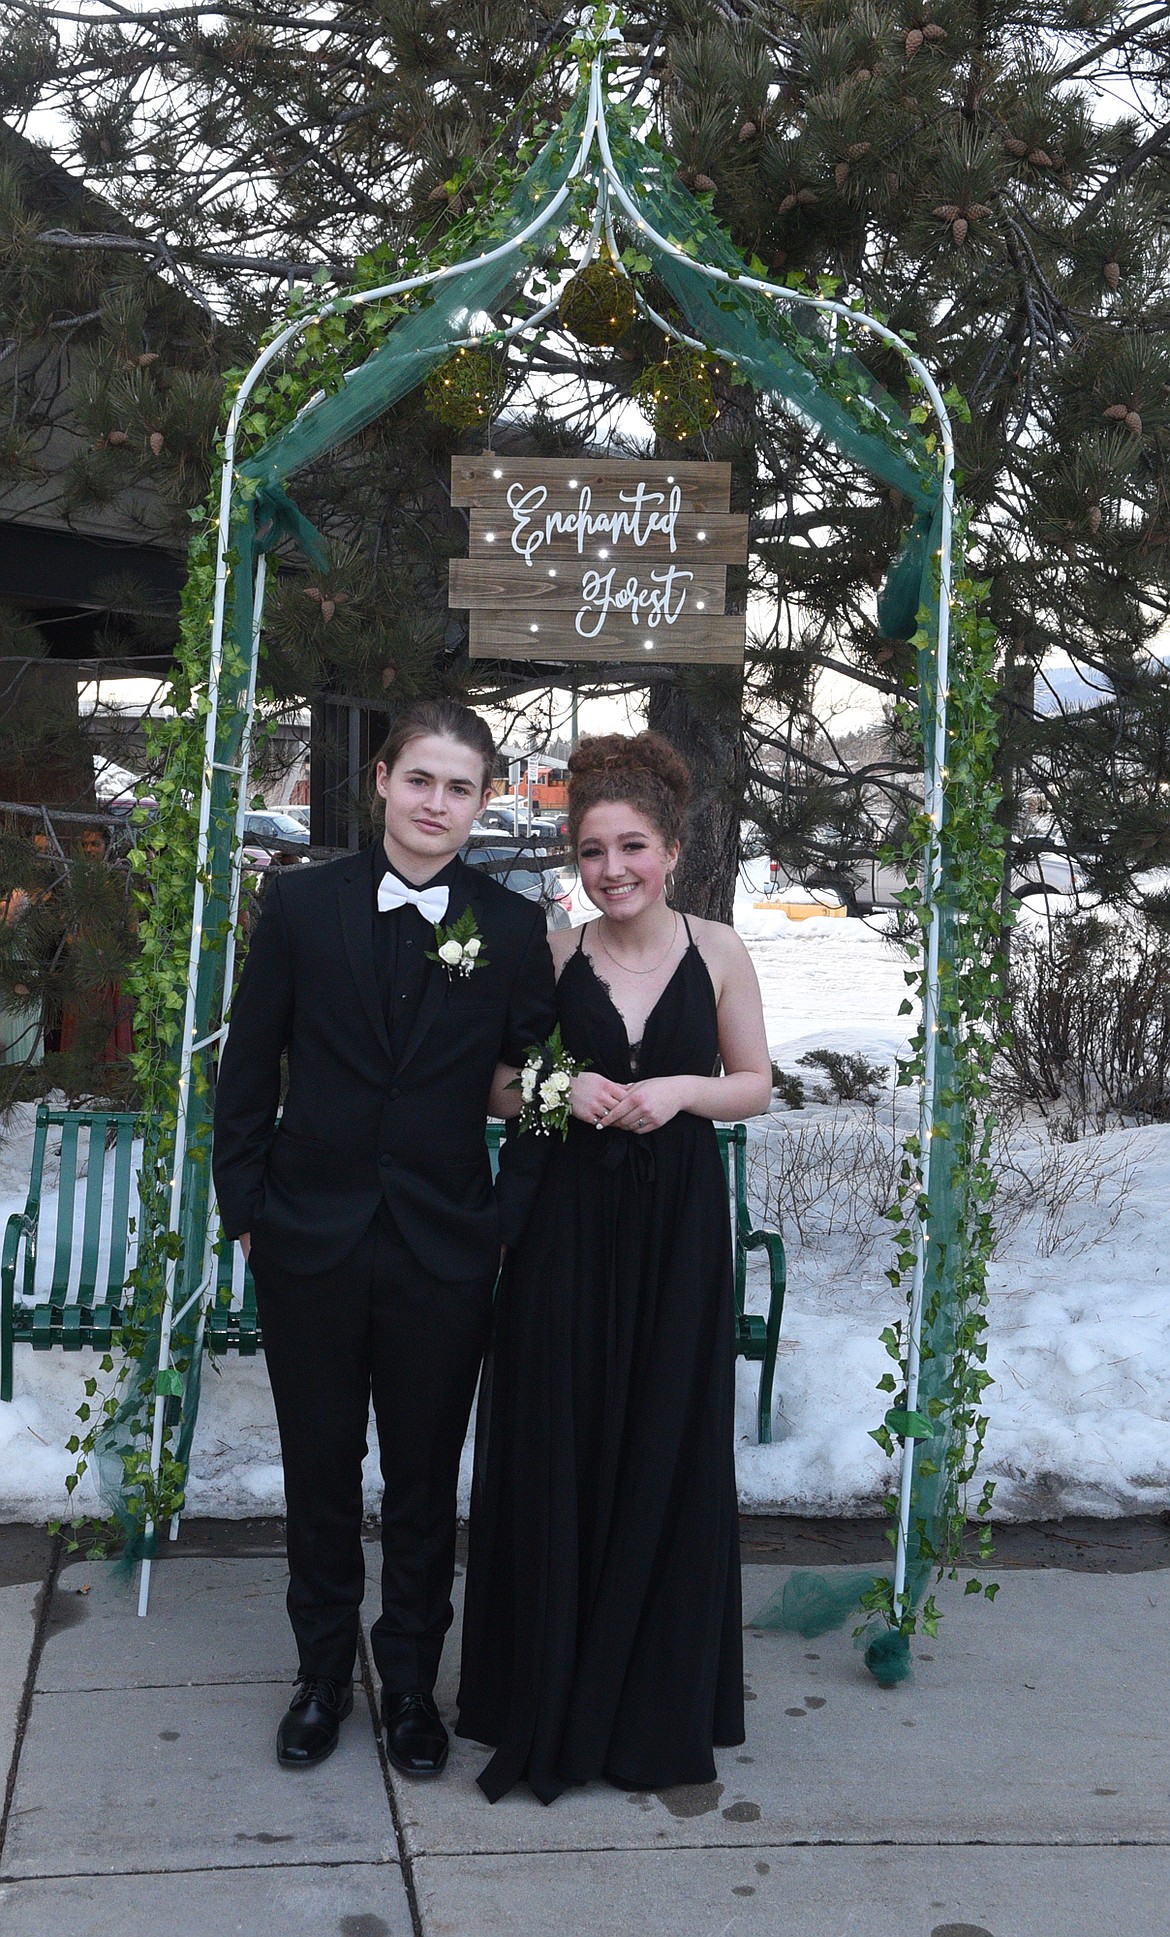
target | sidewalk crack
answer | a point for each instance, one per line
(44, 1607)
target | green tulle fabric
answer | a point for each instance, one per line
(786, 350)
(811, 1603)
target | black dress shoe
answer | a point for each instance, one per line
(416, 1741)
(308, 1731)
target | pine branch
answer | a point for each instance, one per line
(1129, 32)
(208, 258)
(1159, 140)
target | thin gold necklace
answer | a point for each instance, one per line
(625, 967)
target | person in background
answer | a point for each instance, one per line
(96, 1019)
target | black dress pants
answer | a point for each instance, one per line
(377, 1325)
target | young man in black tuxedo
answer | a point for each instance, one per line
(368, 1211)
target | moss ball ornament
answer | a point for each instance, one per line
(598, 306)
(678, 394)
(466, 390)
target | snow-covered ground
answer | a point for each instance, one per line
(1080, 1321)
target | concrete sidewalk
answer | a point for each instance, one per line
(1018, 1786)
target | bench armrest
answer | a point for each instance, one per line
(22, 1224)
(773, 1244)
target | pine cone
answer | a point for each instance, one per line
(863, 74)
(1117, 411)
(117, 437)
(858, 149)
(156, 441)
(146, 359)
(1016, 147)
(438, 194)
(704, 184)
(805, 197)
(786, 205)
(1133, 422)
(914, 40)
(978, 211)
(959, 229)
(934, 32)
(1039, 158)
(1093, 518)
(948, 211)
(841, 173)
(748, 130)
(1112, 274)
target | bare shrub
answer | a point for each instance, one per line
(1070, 1195)
(829, 1176)
(834, 1175)
(1089, 1033)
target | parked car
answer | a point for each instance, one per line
(520, 869)
(501, 813)
(273, 827)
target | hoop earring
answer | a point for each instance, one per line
(668, 885)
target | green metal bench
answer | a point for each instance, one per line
(85, 1301)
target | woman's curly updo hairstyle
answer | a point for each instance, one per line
(643, 770)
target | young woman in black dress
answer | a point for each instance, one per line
(602, 1626)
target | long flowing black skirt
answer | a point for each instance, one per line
(602, 1632)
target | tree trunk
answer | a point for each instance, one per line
(700, 714)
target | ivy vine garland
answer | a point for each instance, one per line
(949, 1423)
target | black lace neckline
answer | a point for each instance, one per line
(635, 1048)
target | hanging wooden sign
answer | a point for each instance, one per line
(599, 559)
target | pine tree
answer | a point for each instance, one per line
(962, 166)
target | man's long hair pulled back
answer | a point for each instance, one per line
(445, 717)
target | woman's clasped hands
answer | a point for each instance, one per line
(640, 1107)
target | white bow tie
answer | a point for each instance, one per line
(430, 902)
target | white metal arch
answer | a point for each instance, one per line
(593, 159)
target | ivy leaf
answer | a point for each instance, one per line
(909, 1425)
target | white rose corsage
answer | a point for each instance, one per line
(545, 1085)
(460, 946)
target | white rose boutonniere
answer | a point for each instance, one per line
(460, 946)
(545, 1084)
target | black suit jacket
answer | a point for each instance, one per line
(358, 1123)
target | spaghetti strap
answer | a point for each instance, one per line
(579, 950)
(690, 938)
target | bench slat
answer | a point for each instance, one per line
(91, 1230)
(66, 1198)
(120, 1210)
